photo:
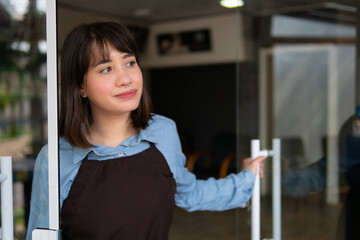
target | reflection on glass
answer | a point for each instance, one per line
(22, 95)
(313, 101)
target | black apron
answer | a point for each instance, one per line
(125, 198)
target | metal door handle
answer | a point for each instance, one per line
(255, 200)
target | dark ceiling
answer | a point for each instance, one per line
(151, 11)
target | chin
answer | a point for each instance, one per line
(133, 107)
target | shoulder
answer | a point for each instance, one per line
(163, 132)
(43, 152)
(41, 163)
(70, 155)
(64, 145)
(161, 121)
(42, 157)
(160, 125)
(66, 150)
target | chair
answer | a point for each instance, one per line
(216, 161)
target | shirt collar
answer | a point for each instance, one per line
(80, 153)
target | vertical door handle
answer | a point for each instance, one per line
(275, 153)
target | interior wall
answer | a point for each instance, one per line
(227, 43)
(70, 18)
(202, 101)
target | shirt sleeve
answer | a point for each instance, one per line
(211, 194)
(39, 204)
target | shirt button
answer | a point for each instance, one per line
(121, 154)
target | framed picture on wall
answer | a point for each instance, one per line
(184, 42)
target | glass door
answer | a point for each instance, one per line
(190, 56)
(308, 82)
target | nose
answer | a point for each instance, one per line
(123, 78)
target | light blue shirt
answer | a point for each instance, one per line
(191, 194)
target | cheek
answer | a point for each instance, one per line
(139, 76)
(101, 87)
(140, 82)
(95, 87)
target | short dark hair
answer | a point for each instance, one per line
(75, 111)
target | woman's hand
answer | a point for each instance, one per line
(252, 165)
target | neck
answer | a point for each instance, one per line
(111, 130)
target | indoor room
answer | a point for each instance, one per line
(226, 75)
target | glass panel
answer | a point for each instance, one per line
(191, 67)
(305, 137)
(310, 101)
(22, 96)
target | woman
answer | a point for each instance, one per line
(121, 167)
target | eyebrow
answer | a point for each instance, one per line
(103, 61)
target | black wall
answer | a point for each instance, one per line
(202, 101)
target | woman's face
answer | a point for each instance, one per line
(113, 86)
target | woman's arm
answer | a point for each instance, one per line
(211, 194)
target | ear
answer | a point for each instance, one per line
(83, 93)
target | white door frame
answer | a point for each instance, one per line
(52, 107)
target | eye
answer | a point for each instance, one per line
(130, 63)
(105, 70)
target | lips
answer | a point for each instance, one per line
(127, 94)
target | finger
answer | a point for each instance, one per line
(261, 172)
(247, 159)
(260, 159)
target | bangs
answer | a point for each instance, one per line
(104, 39)
(99, 50)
